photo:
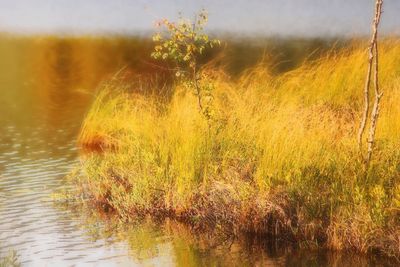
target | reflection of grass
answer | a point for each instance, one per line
(282, 157)
(11, 260)
(168, 242)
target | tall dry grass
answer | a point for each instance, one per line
(280, 158)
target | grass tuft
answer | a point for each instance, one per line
(280, 157)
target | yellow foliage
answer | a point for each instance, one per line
(289, 138)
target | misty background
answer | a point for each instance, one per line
(306, 18)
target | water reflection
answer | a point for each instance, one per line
(46, 86)
(167, 242)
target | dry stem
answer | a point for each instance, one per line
(373, 53)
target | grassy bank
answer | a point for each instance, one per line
(279, 158)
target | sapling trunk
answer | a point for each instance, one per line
(372, 60)
(378, 94)
(197, 88)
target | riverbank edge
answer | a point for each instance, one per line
(322, 198)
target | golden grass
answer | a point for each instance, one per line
(11, 260)
(280, 158)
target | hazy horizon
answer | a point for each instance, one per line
(306, 18)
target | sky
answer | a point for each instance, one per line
(245, 17)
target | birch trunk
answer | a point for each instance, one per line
(372, 54)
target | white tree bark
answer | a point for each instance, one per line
(373, 59)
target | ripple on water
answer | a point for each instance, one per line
(29, 223)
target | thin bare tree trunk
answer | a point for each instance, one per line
(378, 94)
(372, 53)
(366, 97)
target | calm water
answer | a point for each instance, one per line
(46, 86)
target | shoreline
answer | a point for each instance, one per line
(278, 157)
